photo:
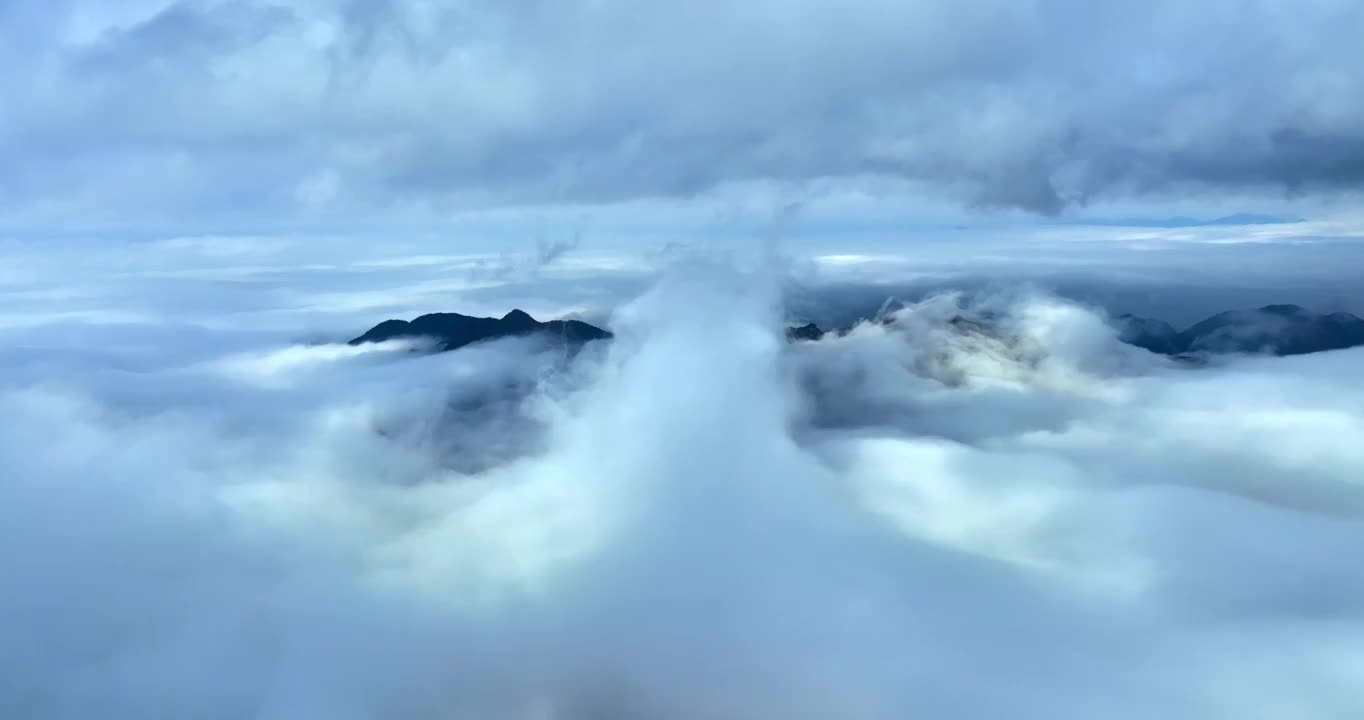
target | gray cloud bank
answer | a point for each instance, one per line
(155, 110)
(696, 521)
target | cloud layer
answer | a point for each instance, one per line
(698, 520)
(157, 111)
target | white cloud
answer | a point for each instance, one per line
(699, 520)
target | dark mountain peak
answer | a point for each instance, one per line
(1343, 318)
(453, 330)
(1283, 310)
(518, 316)
(1155, 335)
(518, 321)
(384, 331)
(443, 320)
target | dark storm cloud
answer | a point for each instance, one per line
(222, 108)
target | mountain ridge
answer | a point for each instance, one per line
(453, 331)
(1278, 329)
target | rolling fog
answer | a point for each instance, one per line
(697, 519)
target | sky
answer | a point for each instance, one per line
(214, 507)
(247, 114)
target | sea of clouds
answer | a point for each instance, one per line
(206, 517)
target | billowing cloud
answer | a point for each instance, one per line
(698, 520)
(157, 111)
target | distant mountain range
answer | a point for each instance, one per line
(452, 331)
(1272, 329)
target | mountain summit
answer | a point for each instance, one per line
(453, 331)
